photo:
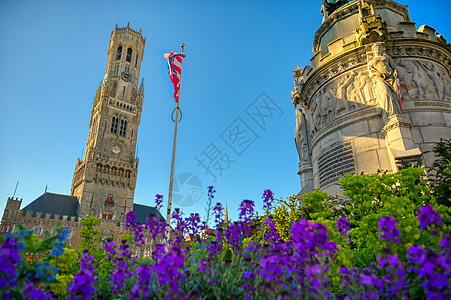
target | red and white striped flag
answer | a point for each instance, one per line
(175, 62)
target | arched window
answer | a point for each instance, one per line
(136, 60)
(129, 55)
(123, 128)
(114, 124)
(119, 53)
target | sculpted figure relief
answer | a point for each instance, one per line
(383, 73)
(409, 80)
(422, 80)
(301, 138)
(316, 111)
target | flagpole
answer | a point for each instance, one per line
(174, 146)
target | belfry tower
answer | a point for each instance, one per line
(104, 181)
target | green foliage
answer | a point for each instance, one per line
(441, 172)
(316, 205)
(399, 195)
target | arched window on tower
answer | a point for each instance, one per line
(123, 128)
(119, 53)
(136, 60)
(129, 55)
(114, 124)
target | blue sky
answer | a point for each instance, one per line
(53, 56)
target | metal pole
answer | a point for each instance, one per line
(15, 189)
(171, 182)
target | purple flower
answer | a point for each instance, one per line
(271, 234)
(268, 199)
(141, 289)
(82, 288)
(193, 224)
(416, 254)
(246, 210)
(122, 271)
(395, 283)
(211, 191)
(9, 260)
(130, 219)
(158, 201)
(445, 244)
(30, 293)
(155, 226)
(219, 214)
(387, 225)
(110, 248)
(343, 225)
(428, 216)
(139, 235)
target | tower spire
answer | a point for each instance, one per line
(141, 88)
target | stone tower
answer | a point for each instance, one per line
(104, 181)
(378, 92)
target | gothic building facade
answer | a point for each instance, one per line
(377, 92)
(104, 180)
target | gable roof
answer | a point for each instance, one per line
(142, 212)
(49, 203)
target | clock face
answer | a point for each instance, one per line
(116, 148)
(126, 76)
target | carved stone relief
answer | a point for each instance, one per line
(347, 93)
(423, 80)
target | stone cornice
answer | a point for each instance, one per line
(352, 8)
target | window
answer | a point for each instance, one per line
(114, 124)
(123, 128)
(119, 53)
(116, 70)
(136, 61)
(129, 55)
(107, 216)
(127, 68)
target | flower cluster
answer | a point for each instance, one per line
(343, 225)
(58, 247)
(158, 201)
(9, 260)
(434, 268)
(268, 199)
(122, 271)
(428, 216)
(387, 225)
(219, 214)
(82, 286)
(246, 210)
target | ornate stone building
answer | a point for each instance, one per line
(104, 181)
(377, 91)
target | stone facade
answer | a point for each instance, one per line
(104, 180)
(378, 91)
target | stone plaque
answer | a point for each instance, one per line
(334, 162)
